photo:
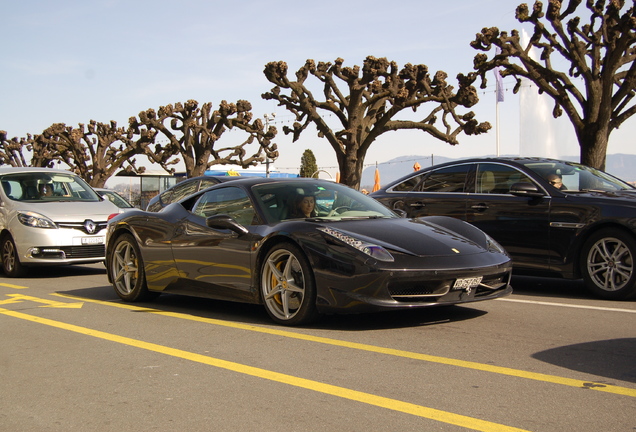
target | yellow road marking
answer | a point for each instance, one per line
(47, 303)
(608, 388)
(342, 392)
(13, 286)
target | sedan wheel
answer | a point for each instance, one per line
(10, 259)
(287, 286)
(127, 270)
(608, 264)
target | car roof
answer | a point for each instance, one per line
(251, 181)
(518, 161)
(12, 170)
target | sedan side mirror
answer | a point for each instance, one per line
(225, 222)
(526, 190)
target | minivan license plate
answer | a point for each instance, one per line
(466, 283)
(92, 240)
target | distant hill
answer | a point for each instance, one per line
(620, 165)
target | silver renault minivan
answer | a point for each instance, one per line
(49, 217)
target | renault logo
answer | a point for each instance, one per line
(89, 226)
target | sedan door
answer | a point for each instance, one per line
(520, 224)
(216, 263)
(433, 193)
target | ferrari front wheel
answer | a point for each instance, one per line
(127, 270)
(287, 286)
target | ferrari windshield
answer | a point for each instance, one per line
(44, 186)
(314, 199)
(576, 177)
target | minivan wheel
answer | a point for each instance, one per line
(10, 260)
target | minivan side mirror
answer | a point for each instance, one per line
(524, 189)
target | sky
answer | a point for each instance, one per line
(72, 61)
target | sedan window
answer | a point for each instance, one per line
(450, 179)
(497, 178)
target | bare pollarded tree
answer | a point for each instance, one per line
(95, 151)
(193, 132)
(12, 151)
(597, 90)
(366, 102)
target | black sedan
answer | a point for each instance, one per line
(183, 189)
(240, 241)
(555, 218)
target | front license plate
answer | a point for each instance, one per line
(92, 240)
(466, 283)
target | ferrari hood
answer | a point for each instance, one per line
(408, 236)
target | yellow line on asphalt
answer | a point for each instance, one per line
(608, 388)
(13, 286)
(342, 392)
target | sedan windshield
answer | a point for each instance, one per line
(576, 177)
(307, 199)
(43, 187)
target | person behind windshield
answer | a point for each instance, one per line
(304, 207)
(556, 181)
(45, 190)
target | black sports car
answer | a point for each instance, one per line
(241, 241)
(555, 218)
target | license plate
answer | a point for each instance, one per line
(466, 283)
(92, 240)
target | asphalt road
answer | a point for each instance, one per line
(75, 358)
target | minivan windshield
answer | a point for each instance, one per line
(45, 187)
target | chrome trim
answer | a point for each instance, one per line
(572, 225)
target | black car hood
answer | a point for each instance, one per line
(411, 236)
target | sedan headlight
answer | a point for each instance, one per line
(373, 250)
(35, 220)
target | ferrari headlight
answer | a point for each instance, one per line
(493, 246)
(373, 250)
(35, 220)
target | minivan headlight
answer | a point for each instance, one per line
(35, 220)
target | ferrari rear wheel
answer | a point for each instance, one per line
(608, 264)
(127, 270)
(287, 286)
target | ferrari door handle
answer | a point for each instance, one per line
(417, 204)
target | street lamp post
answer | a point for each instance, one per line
(268, 118)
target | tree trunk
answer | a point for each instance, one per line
(350, 165)
(593, 141)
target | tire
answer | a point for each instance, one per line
(11, 264)
(288, 290)
(607, 264)
(126, 269)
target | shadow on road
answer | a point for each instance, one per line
(47, 272)
(550, 287)
(255, 314)
(613, 358)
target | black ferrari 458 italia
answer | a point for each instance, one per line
(301, 247)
